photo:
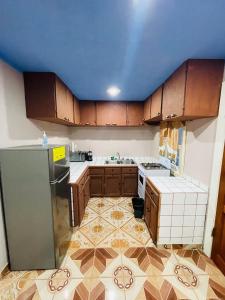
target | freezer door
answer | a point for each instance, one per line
(61, 203)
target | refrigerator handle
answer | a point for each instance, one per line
(61, 179)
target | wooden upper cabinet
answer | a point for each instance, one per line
(87, 113)
(173, 94)
(147, 109)
(111, 113)
(135, 113)
(69, 105)
(156, 104)
(203, 87)
(193, 91)
(76, 111)
(48, 98)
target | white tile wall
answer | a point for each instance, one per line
(166, 210)
(182, 212)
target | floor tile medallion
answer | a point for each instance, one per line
(117, 216)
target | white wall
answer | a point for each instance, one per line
(16, 129)
(127, 141)
(200, 148)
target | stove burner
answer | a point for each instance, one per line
(153, 166)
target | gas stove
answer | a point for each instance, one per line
(153, 166)
(149, 169)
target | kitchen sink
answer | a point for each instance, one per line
(126, 161)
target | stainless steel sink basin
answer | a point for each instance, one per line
(127, 161)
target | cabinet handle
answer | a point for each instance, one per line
(173, 115)
(113, 124)
(159, 113)
(167, 117)
(107, 124)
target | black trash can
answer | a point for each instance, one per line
(138, 206)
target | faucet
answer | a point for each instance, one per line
(117, 153)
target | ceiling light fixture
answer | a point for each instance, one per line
(113, 91)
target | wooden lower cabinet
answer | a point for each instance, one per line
(112, 185)
(97, 185)
(129, 185)
(102, 181)
(151, 212)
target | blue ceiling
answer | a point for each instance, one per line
(93, 44)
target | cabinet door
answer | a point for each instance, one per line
(81, 206)
(112, 185)
(111, 113)
(156, 104)
(69, 106)
(147, 109)
(203, 86)
(153, 220)
(76, 111)
(87, 191)
(61, 101)
(135, 113)
(173, 94)
(87, 113)
(97, 185)
(147, 210)
(129, 185)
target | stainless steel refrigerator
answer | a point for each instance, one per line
(36, 200)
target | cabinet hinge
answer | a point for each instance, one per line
(213, 232)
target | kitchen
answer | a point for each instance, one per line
(110, 254)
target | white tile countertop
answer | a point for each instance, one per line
(77, 168)
(182, 210)
(176, 185)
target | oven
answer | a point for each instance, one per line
(141, 184)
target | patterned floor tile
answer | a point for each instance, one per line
(106, 260)
(117, 216)
(89, 215)
(100, 205)
(137, 260)
(113, 289)
(97, 230)
(161, 288)
(200, 260)
(127, 204)
(114, 200)
(81, 262)
(137, 229)
(162, 262)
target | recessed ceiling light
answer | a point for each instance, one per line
(113, 91)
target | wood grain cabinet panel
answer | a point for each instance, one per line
(156, 105)
(47, 98)
(76, 111)
(147, 109)
(97, 185)
(135, 113)
(112, 185)
(129, 185)
(151, 211)
(173, 94)
(111, 113)
(193, 90)
(87, 113)
(69, 106)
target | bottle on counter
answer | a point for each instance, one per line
(44, 139)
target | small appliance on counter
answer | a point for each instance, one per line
(77, 156)
(89, 156)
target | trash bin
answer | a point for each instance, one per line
(138, 206)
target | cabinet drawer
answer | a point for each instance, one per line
(96, 171)
(154, 196)
(129, 170)
(110, 171)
